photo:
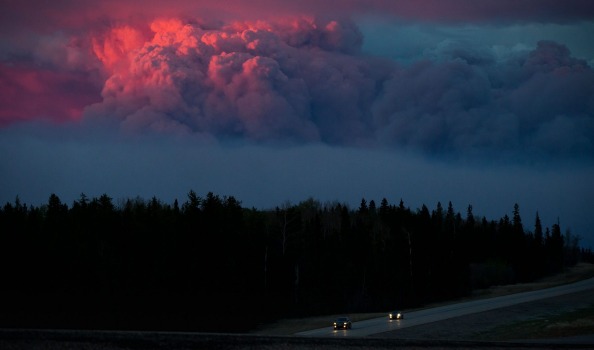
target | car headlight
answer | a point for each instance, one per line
(390, 315)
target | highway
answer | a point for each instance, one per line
(415, 318)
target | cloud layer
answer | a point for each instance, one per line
(78, 13)
(299, 78)
(305, 80)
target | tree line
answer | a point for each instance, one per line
(209, 264)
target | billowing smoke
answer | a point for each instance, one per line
(306, 80)
(541, 101)
(302, 79)
(298, 79)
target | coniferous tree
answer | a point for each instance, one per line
(554, 247)
(538, 234)
(186, 263)
(363, 208)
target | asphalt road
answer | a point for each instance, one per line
(415, 318)
(326, 338)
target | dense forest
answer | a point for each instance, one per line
(208, 264)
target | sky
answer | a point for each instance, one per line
(483, 103)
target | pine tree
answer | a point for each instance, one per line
(517, 221)
(363, 206)
(469, 217)
(538, 235)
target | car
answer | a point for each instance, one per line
(342, 323)
(395, 315)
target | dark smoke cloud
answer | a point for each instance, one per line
(297, 78)
(470, 101)
(79, 13)
(292, 80)
(306, 80)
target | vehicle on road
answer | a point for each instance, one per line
(396, 315)
(342, 323)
